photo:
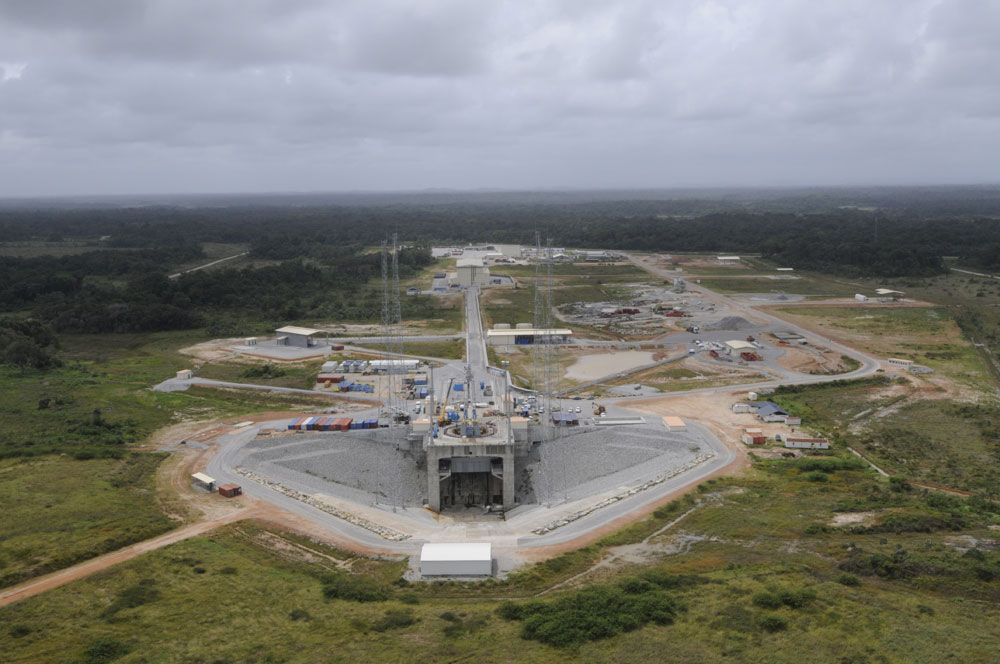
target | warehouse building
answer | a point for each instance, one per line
(472, 272)
(301, 337)
(527, 336)
(203, 481)
(456, 559)
(738, 346)
(674, 423)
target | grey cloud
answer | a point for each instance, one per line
(170, 95)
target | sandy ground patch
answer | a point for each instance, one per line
(853, 518)
(592, 367)
(211, 351)
(811, 360)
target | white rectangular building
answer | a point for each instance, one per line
(738, 346)
(472, 272)
(674, 423)
(456, 559)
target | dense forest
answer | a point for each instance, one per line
(317, 260)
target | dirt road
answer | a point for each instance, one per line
(94, 565)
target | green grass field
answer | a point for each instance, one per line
(756, 567)
(811, 285)
(453, 349)
(954, 445)
(59, 511)
(926, 335)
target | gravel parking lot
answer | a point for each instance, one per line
(585, 462)
(354, 466)
(578, 462)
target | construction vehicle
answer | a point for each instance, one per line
(442, 408)
(750, 338)
(599, 410)
(751, 357)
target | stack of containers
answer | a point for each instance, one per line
(296, 425)
(372, 423)
(355, 424)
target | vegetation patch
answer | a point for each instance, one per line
(593, 613)
(58, 511)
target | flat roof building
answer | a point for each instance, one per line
(739, 346)
(527, 336)
(456, 559)
(204, 481)
(674, 423)
(301, 337)
(472, 272)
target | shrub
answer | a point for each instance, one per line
(816, 476)
(796, 599)
(228, 570)
(353, 588)
(299, 614)
(132, 597)
(773, 624)
(263, 371)
(19, 630)
(409, 598)
(590, 614)
(848, 580)
(104, 649)
(668, 581)
(394, 619)
(767, 600)
(636, 586)
(667, 510)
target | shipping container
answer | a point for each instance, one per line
(230, 490)
(458, 387)
(295, 425)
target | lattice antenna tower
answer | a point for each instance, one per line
(547, 353)
(392, 346)
(537, 362)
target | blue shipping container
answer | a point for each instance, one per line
(458, 387)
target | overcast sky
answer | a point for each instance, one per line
(126, 96)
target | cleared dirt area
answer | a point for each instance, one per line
(212, 351)
(925, 334)
(593, 367)
(812, 360)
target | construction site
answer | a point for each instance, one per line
(423, 449)
(459, 438)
